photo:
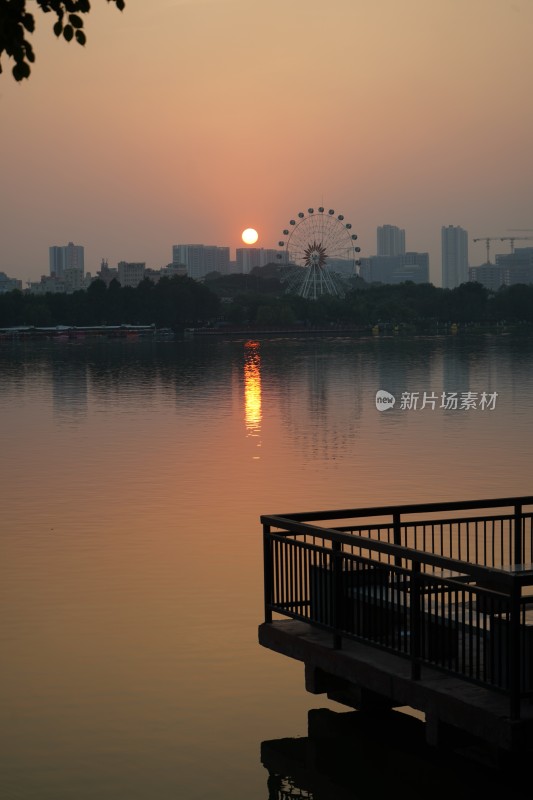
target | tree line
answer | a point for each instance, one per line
(175, 302)
(180, 302)
(420, 305)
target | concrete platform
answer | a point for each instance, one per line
(365, 677)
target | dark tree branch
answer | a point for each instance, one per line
(16, 23)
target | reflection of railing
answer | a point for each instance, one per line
(427, 582)
(344, 753)
(283, 787)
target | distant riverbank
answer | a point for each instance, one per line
(60, 333)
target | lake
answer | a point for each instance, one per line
(133, 475)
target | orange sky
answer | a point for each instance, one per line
(187, 121)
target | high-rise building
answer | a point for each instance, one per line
(250, 257)
(70, 256)
(454, 256)
(396, 269)
(516, 267)
(201, 259)
(391, 241)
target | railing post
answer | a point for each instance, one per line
(515, 651)
(416, 619)
(337, 595)
(397, 531)
(268, 572)
(518, 533)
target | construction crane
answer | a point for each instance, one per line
(514, 239)
(487, 240)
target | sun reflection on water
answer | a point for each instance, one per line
(252, 391)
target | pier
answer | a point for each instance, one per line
(428, 606)
(75, 332)
(265, 331)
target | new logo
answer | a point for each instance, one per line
(384, 400)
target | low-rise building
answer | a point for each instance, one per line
(173, 269)
(488, 275)
(517, 267)
(48, 284)
(131, 273)
(71, 281)
(107, 273)
(8, 284)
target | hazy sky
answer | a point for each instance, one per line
(190, 120)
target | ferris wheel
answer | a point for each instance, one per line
(319, 246)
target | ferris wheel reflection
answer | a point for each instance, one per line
(252, 390)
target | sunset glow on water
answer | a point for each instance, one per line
(131, 551)
(223, 160)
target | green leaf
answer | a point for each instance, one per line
(80, 37)
(68, 32)
(75, 21)
(58, 28)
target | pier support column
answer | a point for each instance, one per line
(434, 729)
(360, 698)
(315, 680)
(345, 692)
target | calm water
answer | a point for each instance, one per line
(133, 476)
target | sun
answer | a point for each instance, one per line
(250, 236)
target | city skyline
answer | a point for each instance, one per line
(197, 142)
(238, 260)
(237, 254)
(200, 259)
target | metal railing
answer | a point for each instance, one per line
(427, 582)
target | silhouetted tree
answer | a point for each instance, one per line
(513, 303)
(469, 303)
(16, 22)
(180, 302)
(12, 308)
